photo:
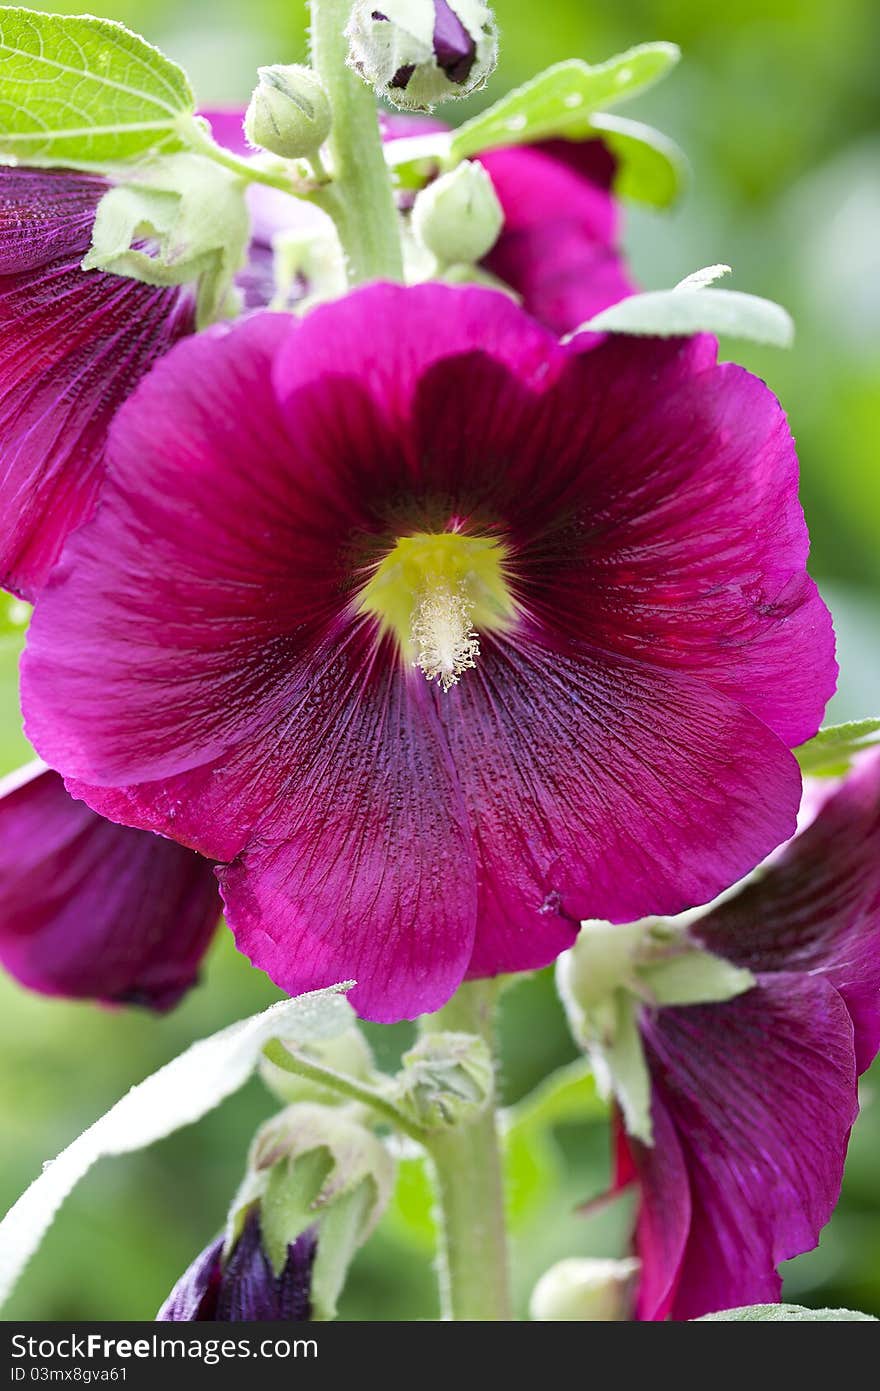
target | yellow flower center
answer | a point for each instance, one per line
(435, 593)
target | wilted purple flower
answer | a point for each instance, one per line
(753, 1099)
(243, 1287)
(305, 520)
(93, 910)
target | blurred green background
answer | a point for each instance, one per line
(776, 104)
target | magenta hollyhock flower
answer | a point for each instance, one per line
(753, 1099)
(73, 344)
(243, 1287)
(593, 553)
(560, 245)
(97, 911)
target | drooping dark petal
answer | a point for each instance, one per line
(816, 909)
(194, 1297)
(73, 344)
(761, 1095)
(663, 1215)
(93, 910)
(599, 788)
(559, 248)
(244, 1289)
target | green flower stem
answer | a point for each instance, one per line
(360, 198)
(473, 1256)
(251, 170)
(341, 1084)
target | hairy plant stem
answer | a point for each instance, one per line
(343, 1085)
(473, 1254)
(359, 198)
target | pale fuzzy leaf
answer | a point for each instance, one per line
(699, 279)
(831, 752)
(178, 1094)
(75, 90)
(559, 101)
(785, 1313)
(681, 312)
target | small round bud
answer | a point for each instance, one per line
(585, 1290)
(289, 113)
(446, 1080)
(420, 52)
(458, 217)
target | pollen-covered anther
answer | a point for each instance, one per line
(443, 634)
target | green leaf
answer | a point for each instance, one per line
(687, 309)
(533, 1164)
(831, 752)
(785, 1313)
(75, 90)
(178, 1094)
(560, 100)
(650, 167)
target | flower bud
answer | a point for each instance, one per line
(241, 1285)
(419, 52)
(348, 1053)
(289, 113)
(445, 1080)
(458, 217)
(585, 1290)
(317, 1183)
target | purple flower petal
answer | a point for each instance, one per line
(194, 1297)
(619, 751)
(245, 1289)
(556, 750)
(673, 576)
(761, 1095)
(73, 344)
(560, 245)
(663, 1216)
(454, 48)
(365, 867)
(97, 911)
(816, 909)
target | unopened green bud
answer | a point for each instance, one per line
(586, 1291)
(446, 1080)
(317, 1169)
(348, 1053)
(416, 53)
(289, 113)
(458, 217)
